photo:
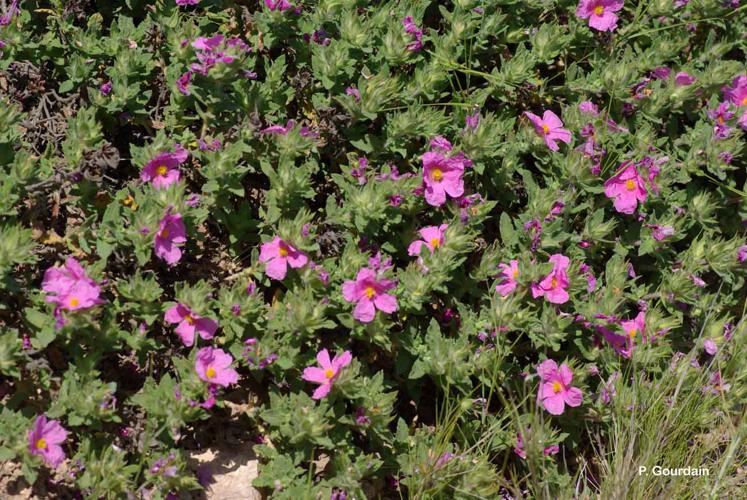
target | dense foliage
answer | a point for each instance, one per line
(417, 248)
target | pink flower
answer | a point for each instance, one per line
(555, 389)
(519, 448)
(187, 2)
(737, 93)
(509, 272)
(742, 253)
(433, 238)
(171, 230)
(551, 450)
(70, 288)
(716, 384)
(189, 323)
(660, 233)
(214, 366)
(327, 373)
(589, 108)
(279, 129)
(710, 347)
(279, 5)
(370, 294)
(626, 189)
(45, 437)
(442, 176)
(600, 13)
(550, 128)
(554, 286)
(634, 327)
(416, 34)
(183, 83)
(163, 170)
(683, 79)
(278, 254)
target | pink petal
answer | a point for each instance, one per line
(364, 311)
(277, 268)
(574, 397)
(322, 358)
(314, 374)
(321, 391)
(554, 404)
(386, 303)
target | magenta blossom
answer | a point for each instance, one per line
(509, 273)
(554, 286)
(660, 233)
(710, 347)
(416, 33)
(70, 288)
(433, 238)
(635, 327)
(279, 5)
(549, 127)
(171, 231)
(737, 93)
(442, 176)
(626, 189)
(163, 170)
(555, 389)
(279, 129)
(600, 13)
(187, 2)
(327, 372)
(214, 366)
(683, 79)
(369, 292)
(45, 437)
(278, 254)
(742, 253)
(589, 108)
(189, 323)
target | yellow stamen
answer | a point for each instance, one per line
(720, 119)
(329, 373)
(161, 170)
(165, 233)
(283, 251)
(189, 319)
(370, 292)
(74, 302)
(744, 101)
(554, 282)
(545, 129)
(210, 372)
(41, 444)
(556, 387)
(435, 242)
(437, 175)
(632, 333)
(599, 10)
(515, 273)
(630, 184)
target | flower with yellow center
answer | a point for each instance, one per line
(630, 184)
(599, 10)
(189, 319)
(161, 170)
(435, 242)
(329, 373)
(74, 302)
(556, 387)
(632, 333)
(41, 444)
(437, 175)
(210, 372)
(744, 101)
(370, 292)
(283, 250)
(554, 282)
(165, 233)
(545, 129)
(515, 273)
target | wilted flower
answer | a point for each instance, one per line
(554, 286)
(369, 292)
(555, 389)
(278, 254)
(354, 92)
(683, 79)
(433, 238)
(508, 275)
(710, 347)
(189, 323)
(327, 372)
(171, 231)
(415, 32)
(106, 88)
(626, 189)
(660, 233)
(549, 127)
(45, 437)
(214, 366)
(163, 170)
(600, 13)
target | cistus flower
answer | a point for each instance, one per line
(442, 176)
(368, 291)
(70, 288)
(187, 2)
(600, 13)
(660, 233)
(555, 389)
(737, 92)
(171, 231)
(278, 5)
(415, 32)
(716, 385)
(710, 347)
(279, 129)
(720, 116)
(635, 327)
(327, 372)
(508, 275)
(626, 189)
(433, 238)
(163, 170)
(214, 366)
(683, 79)
(279, 255)
(190, 323)
(550, 128)
(45, 437)
(554, 286)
